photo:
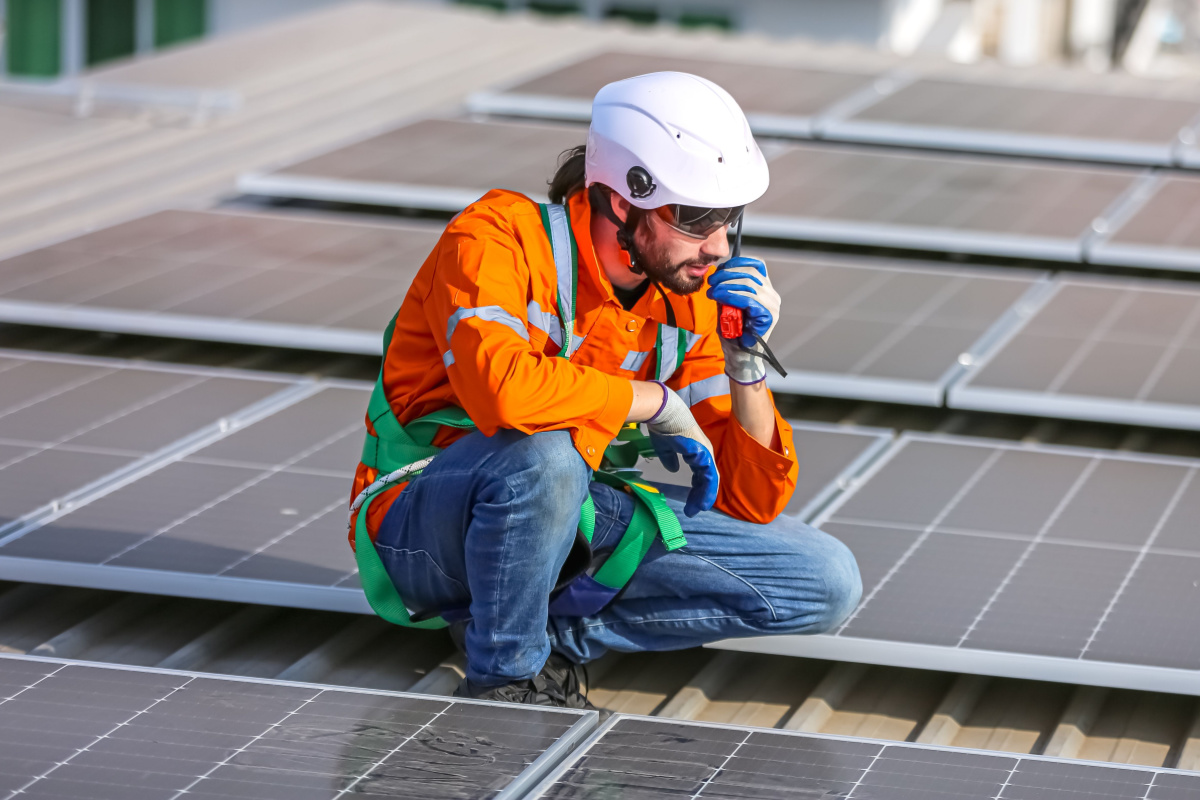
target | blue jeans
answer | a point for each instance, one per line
(484, 531)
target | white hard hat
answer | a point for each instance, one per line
(671, 137)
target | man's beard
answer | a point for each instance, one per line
(673, 275)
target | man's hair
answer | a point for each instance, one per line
(569, 177)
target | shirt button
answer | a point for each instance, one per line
(785, 451)
(591, 451)
(631, 326)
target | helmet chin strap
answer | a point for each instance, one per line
(625, 228)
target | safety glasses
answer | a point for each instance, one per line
(696, 222)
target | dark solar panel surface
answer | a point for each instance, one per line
(188, 268)
(1121, 351)
(76, 730)
(65, 423)
(268, 502)
(930, 202)
(1052, 552)
(1024, 119)
(1163, 232)
(758, 88)
(829, 457)
(639, 757)
(881, 332)
(450, 153)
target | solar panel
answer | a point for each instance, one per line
(69, 424)
(259, 515)
(778, 99)
(1109, 350)
(76, 729)
(943, 203)
(641, 757)
(437, 164)
(300, 281)
(1160, 230)
(830, 457)
(880, 330)
(1022, 120)
(1022, 561)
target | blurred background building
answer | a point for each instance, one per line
(47, 38)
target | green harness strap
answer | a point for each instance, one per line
(395, 446)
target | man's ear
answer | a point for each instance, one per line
(620, 206)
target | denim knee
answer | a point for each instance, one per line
(825, 586)
(545, 465)
(843, 586)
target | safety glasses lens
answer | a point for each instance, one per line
(698, 221)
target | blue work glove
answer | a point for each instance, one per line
(743, 283)
(674, 432)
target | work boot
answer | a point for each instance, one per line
(558, 684)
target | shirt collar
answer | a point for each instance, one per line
(651, 305)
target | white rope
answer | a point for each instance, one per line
(386, 480)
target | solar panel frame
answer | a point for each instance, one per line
(584, 722)
(971, 392)
(1150, 202)
(964, 763)
(101, 541)
(861, 127)
(244, 324)
(896, 652)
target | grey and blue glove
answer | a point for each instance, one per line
(674, 432)
(743, 283)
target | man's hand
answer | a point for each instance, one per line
(674, 432)
(743, 283)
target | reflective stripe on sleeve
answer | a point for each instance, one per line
(447, 358)
(690, 340)
(634, 360)
(545, 321)
(693, 393)
(487, 314)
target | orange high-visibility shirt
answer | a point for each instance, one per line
(475, 329)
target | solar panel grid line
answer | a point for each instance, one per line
(209, 735)
(1145, 549)
(153, 461)
(1139, 334)
(1063, 502)
(1173, 486)
(247, 484)
(23, 789)
(923, 537)
(786, 763)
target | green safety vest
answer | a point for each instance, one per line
(395, 446)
